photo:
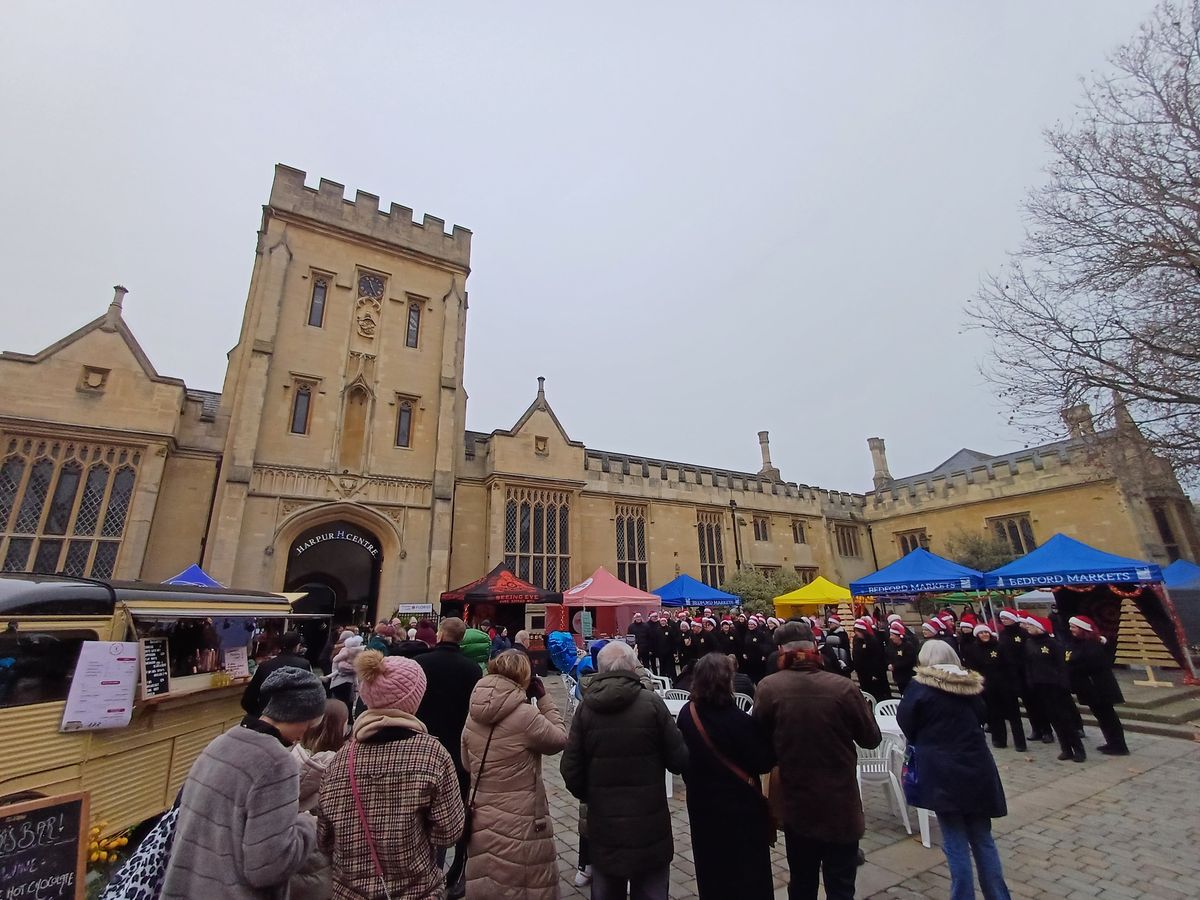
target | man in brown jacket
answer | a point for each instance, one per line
(814, 719)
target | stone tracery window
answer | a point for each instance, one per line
(631, 545)
(709, 532)
(316, 306)
(64, 506)
(413, 327)
(537, 538)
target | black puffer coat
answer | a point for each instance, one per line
(1092, 679)
(940, 715)
(622, 738)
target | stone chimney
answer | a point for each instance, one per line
(767, 470)
(1079, 420)
(112, 318)
(879, 459)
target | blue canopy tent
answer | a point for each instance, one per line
(1065, 561)
(687, 591)
(1182, 574)
(918, 572)
(1091, 582)
(194, 576)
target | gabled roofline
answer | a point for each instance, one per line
(98, 324)
(539, 403)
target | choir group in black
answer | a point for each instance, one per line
(1024, 659)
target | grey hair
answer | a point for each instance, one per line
(937, 653)
(616, 656)
(521, 637)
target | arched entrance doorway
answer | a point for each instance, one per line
(340, 562)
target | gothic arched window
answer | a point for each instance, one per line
(404, 423)
(316, 304)
(413, 332)
(300, 409)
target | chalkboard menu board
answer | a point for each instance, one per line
(156, 667)
(43, 845)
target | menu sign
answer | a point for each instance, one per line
(156, 667)
(43, 845)
(102, 689)
(237, 663)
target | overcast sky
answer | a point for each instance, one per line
(697, 220)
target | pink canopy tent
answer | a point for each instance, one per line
(614, 600)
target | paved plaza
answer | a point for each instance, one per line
(1113, 827)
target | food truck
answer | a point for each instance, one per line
(194, 649)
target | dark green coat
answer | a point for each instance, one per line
(622, 738)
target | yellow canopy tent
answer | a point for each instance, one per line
(818, 592)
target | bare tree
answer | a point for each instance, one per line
(1102, 302)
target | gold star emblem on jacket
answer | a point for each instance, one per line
(1067, 656)
(993, 654)
(1046, 650)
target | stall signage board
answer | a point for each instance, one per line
(156, 667)
(102, 690)
(585, 623)
(43, 848)
(414, 608)
(236, 663)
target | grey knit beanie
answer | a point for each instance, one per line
(292, 695)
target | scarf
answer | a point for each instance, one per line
(802, 659)
(375, 720)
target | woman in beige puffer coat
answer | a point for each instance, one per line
(511, 855)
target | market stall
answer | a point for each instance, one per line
(1182, 579)
(685, 590)
(611, 602)
(1119, 593)
(501, 599)
(918, 572)
(811, 597)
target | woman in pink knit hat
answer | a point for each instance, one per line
(390, 798)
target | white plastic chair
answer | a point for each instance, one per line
(923, 817)
(662, 683)
(676, 694)
(744, 702)
(886, 708)
(876, 767)
(870, 700)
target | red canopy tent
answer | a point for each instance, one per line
(613, 601)
(497, 587)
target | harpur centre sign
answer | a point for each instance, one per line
(337, 534)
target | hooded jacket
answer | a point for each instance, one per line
(940, 715)
(512, 853)
(622, 738)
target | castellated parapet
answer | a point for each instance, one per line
(327, 204)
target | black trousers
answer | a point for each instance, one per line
(666, 665)
(1039, 715)
(1110, 725)
(1004, 714)
(1060, 706)
(809, 860)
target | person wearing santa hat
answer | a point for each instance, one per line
(901, 657)
(983, 656)
(1094, 684)
(869, 660)
(966, 633)
(654, 640)
(1012, 654)
(724, 637)
(708, 637)
(756, 647)
(641, 639)
(689, 650)
(1046, 673)
(666, 645)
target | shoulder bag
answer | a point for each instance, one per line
(770, 827)
(454, 875)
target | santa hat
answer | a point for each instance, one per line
(898, 628)
(637, 615)
(834, 620)
(653, 616)
(1009, 615)
(933, 626)
(863, 623)
(981, 627)
(709, 620)
(1083, 622)
(967, 621)
(772, 619)
(945, 616)
(726, 618)
(894, 618)
(1039, 622)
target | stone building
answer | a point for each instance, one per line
(336, 456)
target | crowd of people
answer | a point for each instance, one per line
(422, 746)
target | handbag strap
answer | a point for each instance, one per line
(362, 818)
(482, 763)
(721, 758)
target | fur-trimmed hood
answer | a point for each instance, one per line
(951, 679)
